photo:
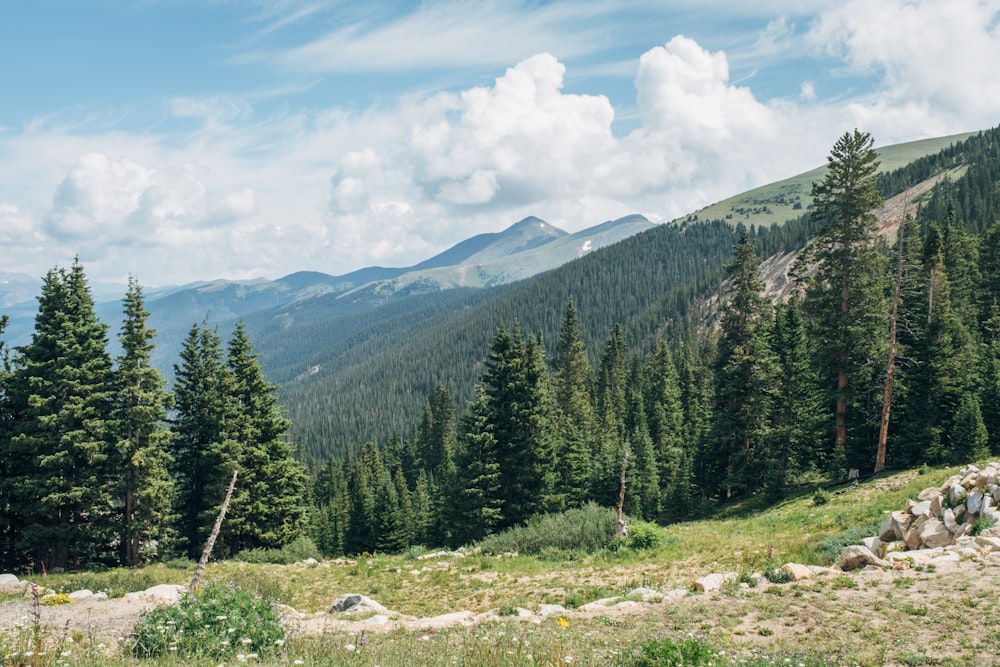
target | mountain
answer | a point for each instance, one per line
(503, 262)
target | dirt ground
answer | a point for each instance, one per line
(935, 612)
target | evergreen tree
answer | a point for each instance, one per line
(845, 298)
(517, 402)
(968, 438)
(144, 488)
(204, 454)
(642, 497)
(9, 524)
(479, 503)
(59, 456)
(745, 378)
(575, 412)
(268, 508)
(797, 424)
(609, 447)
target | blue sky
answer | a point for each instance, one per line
(181, 140)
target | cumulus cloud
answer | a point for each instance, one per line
(936, 62)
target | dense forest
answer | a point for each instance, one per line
(536, 397)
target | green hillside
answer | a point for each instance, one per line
(777, 203)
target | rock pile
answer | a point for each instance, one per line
(943, 521)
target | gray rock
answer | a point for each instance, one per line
(851, 558)
(7, 579)
(874, 544)
(81, 594)
(929, 493)
(955, 494)
(355, 603)
(163, 593)
(713, 582)
(923, 508)
(934, 534)
(948, 518)
(974, 502)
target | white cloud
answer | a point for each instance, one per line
(936, 62)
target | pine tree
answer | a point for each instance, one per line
(479, 503)
(518, 417)
(204, 454)
(59, 458)
(144, 488)
(845, 298)
(9, 523)
(572, 386)
(268, 509)
(745, 377)
(968, 439)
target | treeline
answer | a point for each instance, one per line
(773, 396)
(99, 464)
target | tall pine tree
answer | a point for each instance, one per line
(144, 488)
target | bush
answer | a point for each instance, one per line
(981, 524)
(831, 547)
(667, 653)
(293, 552)
(585, 530)
(216, 621)
(644, 535)
(821, 497)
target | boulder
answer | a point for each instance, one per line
(713, 582)
(934, 534)
(355, 603)
(923, 508)
(163, 593)
(974, 502)
(851, 558)
(955, 494)
(874, 544)
(948, 519)
(81, 594)
(796, 571)
(7, 579)
(929, 493)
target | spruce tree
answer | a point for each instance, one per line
(745, 378)
(203, 452)
(575, 421)
(268, 509)
(144, 489)
(9, 525)
(845, 297)
(479, 503)
(60, 453)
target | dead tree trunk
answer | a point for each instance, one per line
(203, 563)
(622, 526)
(890, 371)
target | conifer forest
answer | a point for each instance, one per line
(882, 352)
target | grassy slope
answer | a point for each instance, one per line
(780, 197)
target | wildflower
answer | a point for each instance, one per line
(246, 640)
(298, 662)
(279, 642)
(221, 618)
(350, 647)
(563, 623)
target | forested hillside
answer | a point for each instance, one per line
(445, 417)
(885, 356)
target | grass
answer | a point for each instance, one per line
(811, 622)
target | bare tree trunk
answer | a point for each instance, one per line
(622, 526)
(890, 371)
(203, 563)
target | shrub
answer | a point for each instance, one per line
(584, 530)
(831, 546)
(821, 497)
(298, 550)
(644, 535)
(981, 524)
(667, 653)
(216, 621)
(777, 576)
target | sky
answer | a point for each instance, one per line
(185, 140)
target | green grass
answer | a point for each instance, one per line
(748, 628)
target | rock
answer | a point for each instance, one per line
(955, 494)
(923, 508)
(936, 507)
(946, 558)
(929, 493)
(355, 603)
(100, 595)
(310, 562)
(851, 558)
(550, 610)
(974, 502)
(912, 538)
(713, 582)
(163, 593)
(894, 526)
(934, 534)
(874, 544)
(8, 579)
(678, 592)
(645, 594)
(948, 519)
(797, 572)
(988, 543)
(81, 594)
(446, 620)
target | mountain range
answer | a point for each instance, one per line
(357, 354)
